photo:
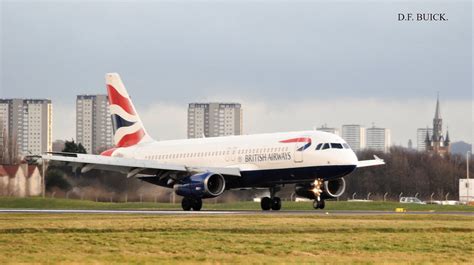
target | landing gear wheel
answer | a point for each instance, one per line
(322, 204)
(186, 203)
(266, 203)
(197, 204)
(318, 204)
(276, 204)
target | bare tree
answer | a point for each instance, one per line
(2, 143)
(409, 172)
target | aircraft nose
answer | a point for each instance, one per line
(345, 157)
(352, 158)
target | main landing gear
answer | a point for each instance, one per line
(189, 203)
(317, 190)
(271, 202)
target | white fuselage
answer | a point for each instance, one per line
(247, 152)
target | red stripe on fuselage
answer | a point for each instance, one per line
(108, 152)
(117, 99)
(131, 139)
(297, 140)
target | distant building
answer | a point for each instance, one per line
(26, 126)
(378, 139)
(461, 148)
(437, 143)
(20, 180)
(421, 138)
(214, 119)
(58, 145)
(354, 135)
(93, 123)
(410, 144)
(324, 128)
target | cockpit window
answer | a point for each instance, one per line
(326, 146)
(346, 146)
(319, 146)
(336, 145)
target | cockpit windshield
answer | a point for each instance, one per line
(324, 146)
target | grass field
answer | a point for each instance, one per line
(86, 238)
(40, 203)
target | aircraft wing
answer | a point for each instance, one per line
(131, 167)
(369, 163)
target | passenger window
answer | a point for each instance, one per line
(336, 145)
(319, 146)
(326, 146)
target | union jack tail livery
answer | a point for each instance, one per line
(127, 125)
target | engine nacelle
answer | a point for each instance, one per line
(202, 185)
(331, 189)
(334, 188)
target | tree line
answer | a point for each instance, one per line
(409, 173)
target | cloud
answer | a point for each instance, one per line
(166, 121)
(402, 118)
(64, 121)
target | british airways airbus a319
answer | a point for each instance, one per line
(196, 169)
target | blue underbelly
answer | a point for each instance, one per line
(271, 177)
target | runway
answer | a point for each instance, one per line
(223, 212)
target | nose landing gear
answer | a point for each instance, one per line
(317, 190)
(318, 204)
(271, 202)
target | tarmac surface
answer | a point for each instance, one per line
(223, 212)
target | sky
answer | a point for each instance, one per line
(294, 65)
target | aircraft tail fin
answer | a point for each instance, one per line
(127, 125)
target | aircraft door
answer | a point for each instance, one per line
(230, 154)
(300, 145)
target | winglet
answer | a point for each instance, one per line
(369, 163)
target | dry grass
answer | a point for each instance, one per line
(47, 203)
(72, 238)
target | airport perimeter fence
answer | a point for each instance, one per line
(171, 197)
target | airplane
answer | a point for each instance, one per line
(315, 162)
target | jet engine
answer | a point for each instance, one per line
(202, 185)
(330, 189)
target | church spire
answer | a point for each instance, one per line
(446, 141)
(437, 123)
(437, 112)
(427, 138)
